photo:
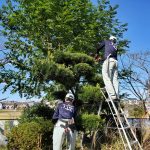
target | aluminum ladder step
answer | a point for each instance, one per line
(128, 127)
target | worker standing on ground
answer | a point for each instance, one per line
(110, 66)
(65, 125)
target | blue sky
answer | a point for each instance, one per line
(135, 13)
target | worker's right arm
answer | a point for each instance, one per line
(99, 46)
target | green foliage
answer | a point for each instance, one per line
(59, 94)
(36, 112)
(69, 59)
(46, 71)
(91, 94)
(48, 38)
(55, 92)
(83, 69)
(49, 43)
(29, 135)
(89, 122)
(7, 127)
(34, 130)
(3, 148)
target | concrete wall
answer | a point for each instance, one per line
(3, 124)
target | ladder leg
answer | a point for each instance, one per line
(129, 138)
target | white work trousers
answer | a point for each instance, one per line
(110, 77)
(59, 135)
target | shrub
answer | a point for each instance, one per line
(137, 111)
(30, 135)
(89, 122)
(39, 110)
(91, 94)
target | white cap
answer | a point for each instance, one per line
(112, 38)
(70, 95)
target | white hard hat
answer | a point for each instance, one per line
(70, 95)
(112, 38)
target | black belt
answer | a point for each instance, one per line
(112, 57)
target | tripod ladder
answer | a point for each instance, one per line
(126, 133)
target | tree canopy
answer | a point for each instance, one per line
(50, 44)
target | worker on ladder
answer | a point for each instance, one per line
(110, 66)
(110, 77)
(65, 125)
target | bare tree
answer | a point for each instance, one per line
(135, 74)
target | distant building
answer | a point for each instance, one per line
(12, 105)
(22, 105)
(131, 101)
(8, 105)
